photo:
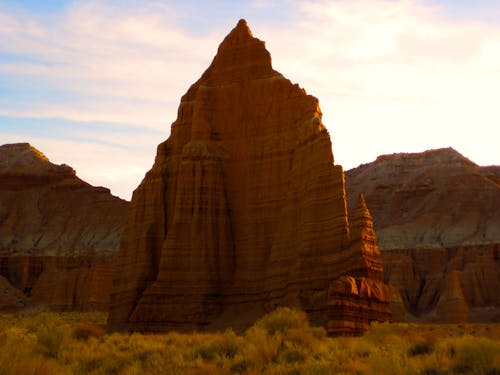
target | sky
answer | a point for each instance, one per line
(96, 84)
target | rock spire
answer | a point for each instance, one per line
(243, 209)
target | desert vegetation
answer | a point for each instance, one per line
(282, 342)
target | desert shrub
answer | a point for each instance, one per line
(420, 348)
(239, 367)
(261, 347)
(475, 354)
(379, 332)
(84, 331)
(226, 344)
(293, 356)
(283, 319)
(279, 343)
(432, 371)
(50, 337)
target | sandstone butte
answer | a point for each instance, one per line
(437, 218)
(243, 211)
(57, 234)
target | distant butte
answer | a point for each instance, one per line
(57, 234)
(244, 210)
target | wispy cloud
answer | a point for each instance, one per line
(396, 76)
(390, 75)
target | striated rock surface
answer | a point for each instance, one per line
(355, 303)
(57, 232)
(243, 209)
(433, 199)
(11, 299)
(452, 306)
(420, 276)
(436, 214)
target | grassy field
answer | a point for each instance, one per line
(280, 343)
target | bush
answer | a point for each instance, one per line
(84, 331)
(225, 345)
(50, 334)
(475, 353)
(420, 348)
(282, 319)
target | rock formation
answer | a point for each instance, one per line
(57, 233)
(452, 306)
(435, 213)
(356, 302)
(243, 209)
(11, 299)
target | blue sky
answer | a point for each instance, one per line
(96, 84)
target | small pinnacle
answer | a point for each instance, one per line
(242, 27)
(361, 201)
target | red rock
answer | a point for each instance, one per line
(434, 199)
(56, 231)
(355, 303)
(11, 299)
(420, 276)
(243, 209)
(435, 213)
(452, 307)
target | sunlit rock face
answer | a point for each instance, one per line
(57, 232)
(437, 218)
(243, 209)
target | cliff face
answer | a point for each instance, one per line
(243, 209)
(437, 217)
(56, 231)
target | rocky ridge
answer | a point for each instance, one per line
(57, 232)
(437, 217)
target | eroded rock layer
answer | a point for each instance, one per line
(355, 303)
(434, 199)
(422, 277)
(57, 233)
(243, 209)
(437, 218)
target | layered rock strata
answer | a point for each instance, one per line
(11, 299)
(243, 209)
(57, 232)
(421, 277)
(436, 214)
(355, 303)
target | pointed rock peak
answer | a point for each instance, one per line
(239, 35)
(239, 57)
(362, 210)
(362, 202)
(242, 28)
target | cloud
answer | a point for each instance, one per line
(134, 60)
(395, 76)
(391, 76)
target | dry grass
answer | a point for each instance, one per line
(280, 343)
